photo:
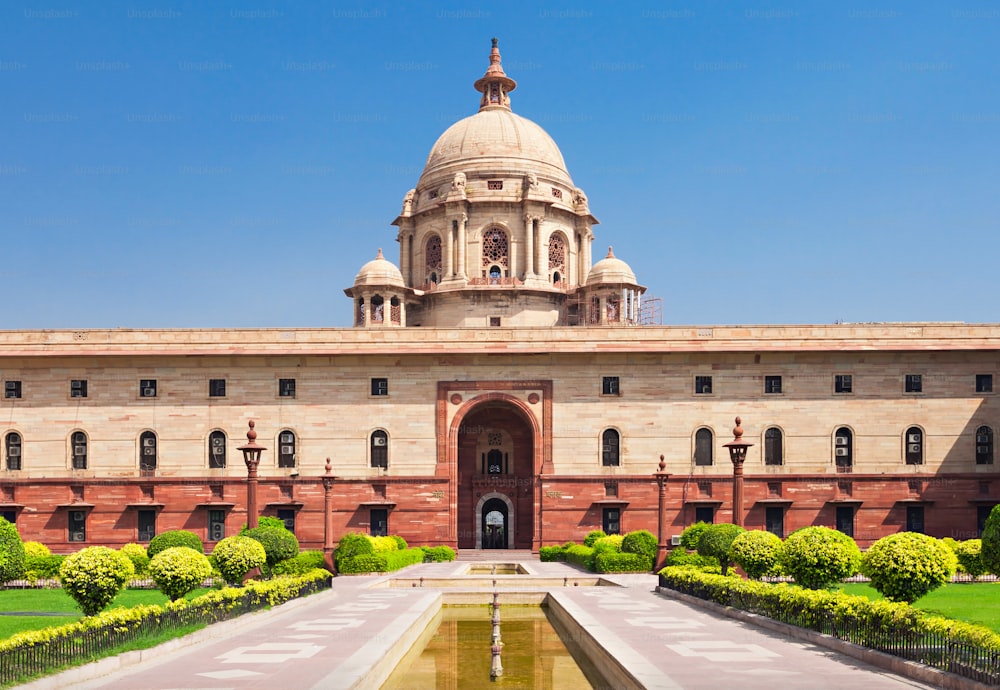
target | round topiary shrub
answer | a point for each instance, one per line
(991, 541)
(11, 552)
(236, 556)
(969, 554)
(715, 541)
(593, 536)
(692, 535)
(642, 542)
(278, 544)
(401, 544)
(611, 543)
(908, 565)
(178, 570)
(94, 576)
(137, 554)
(756, 552)
(37, 557)
(168, 540)
(353, 544)
(36, 549)
(818, 557)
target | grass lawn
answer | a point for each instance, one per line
(52, 601)
(972, 602)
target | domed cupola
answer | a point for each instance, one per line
(612, 294)
(379, 295)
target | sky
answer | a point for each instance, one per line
(175, 164)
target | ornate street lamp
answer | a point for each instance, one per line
(251, 456)
(661, 533)
(328, 479)
(737, 453)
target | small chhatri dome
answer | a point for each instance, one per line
(495, 85)
(379, 271)
(611, 270)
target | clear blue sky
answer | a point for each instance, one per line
(212, 164)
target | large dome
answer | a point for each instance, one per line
(495, 140)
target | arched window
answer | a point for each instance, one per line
(286, 448)
(359, 317)
(12, 447)
(611, 448)
(557, 256)
(495, 252)
(432, 259)
(378, 309)
(395, 310)
(703, 447)
(774, 451)
(984, 446)
(217, 449)
(380, 449)
(913, 446)
(843, 448)
(79, 450)
(147, 450)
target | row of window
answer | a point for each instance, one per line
(774, 447)
(842, 383)
(78, 388)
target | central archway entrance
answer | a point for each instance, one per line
(496, 477)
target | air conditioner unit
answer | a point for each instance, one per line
(675, 540)
(378, 441)
(217, 450)
(914, 448)
(841, 440)
(980, 450)
(10, 385)
(841, 452)
(914, 438)
(149, 392)
(14, 451)
(982, 438)
(217, 533)
(149, 442)
(149, 451)
(76, 385)
(287, 450)
(218, 442)
(76, 515)
(76, 536)
(287, 438)
(79, 450)
(705, 389)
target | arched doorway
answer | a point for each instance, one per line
(496, 477)
(494, 524)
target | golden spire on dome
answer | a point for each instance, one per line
(495, 85)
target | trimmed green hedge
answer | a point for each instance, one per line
(438, 554)
(681, 557)
(385, 562)
(301, 564)
(177, 537)
(613, 562)
(552, 553)
(593, 536)
(581, 555)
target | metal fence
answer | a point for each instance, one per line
(61, 651)
(934, 649)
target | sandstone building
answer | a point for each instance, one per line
(499, 389)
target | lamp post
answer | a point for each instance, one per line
(328, 516)
(737, 453)
(661, 516)
(251, 456)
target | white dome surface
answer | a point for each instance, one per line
(611, 270)
(379, 272)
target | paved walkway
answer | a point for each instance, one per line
(353, 635)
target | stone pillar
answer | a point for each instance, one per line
(449, 252)
(328, 480)
(461, 246)
(661, 521)
(529, 247)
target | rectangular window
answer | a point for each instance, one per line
(774, 520)
(77, 525)
(9, 515)
(12, 389)
(286, 388)
(610, 385)
(984, 383)
(380, 387)
(914, 383)
(702, 385)
(915, 519)
(494, 184)
(772, 385)
(379, 522)
(843, 383)
(78, 388)
(216, 525)
(612, 521)
(704, 514)
(147, 525)
(147, 388)
(287, 515)
(217, 388)
(494, 322)
(845, 520)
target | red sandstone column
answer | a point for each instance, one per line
(661, 532)
(328, 517)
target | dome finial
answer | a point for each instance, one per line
(611, 253)
(495, 85)
(380, 254)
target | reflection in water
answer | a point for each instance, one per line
(458, 655)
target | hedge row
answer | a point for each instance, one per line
(615, 562)
(386, 562)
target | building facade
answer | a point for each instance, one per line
(499, 390)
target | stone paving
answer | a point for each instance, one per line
(355, 634)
